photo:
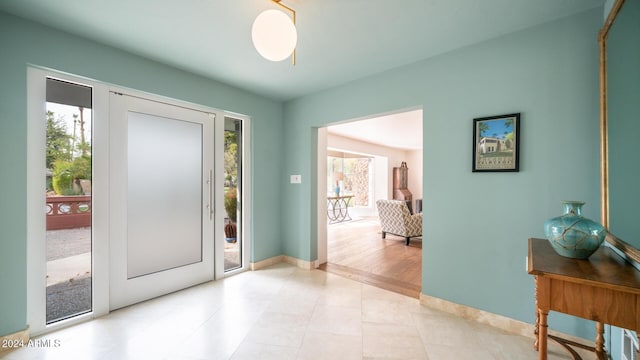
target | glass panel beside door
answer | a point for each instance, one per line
(68, 200)
(233, 152)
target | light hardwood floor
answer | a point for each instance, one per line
(356, 250)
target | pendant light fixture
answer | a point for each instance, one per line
(274, 34)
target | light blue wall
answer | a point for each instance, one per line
(476, 225)
(23, 42)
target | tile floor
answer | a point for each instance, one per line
(282, 312)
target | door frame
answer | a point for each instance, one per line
(36, 224)
(36, 221)
(321, 135)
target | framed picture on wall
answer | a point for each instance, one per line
(496, 143)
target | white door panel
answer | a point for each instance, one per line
(160, 186)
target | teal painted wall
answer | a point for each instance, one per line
(23, 42)
(476, 225)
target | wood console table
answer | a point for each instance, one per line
(603, 288)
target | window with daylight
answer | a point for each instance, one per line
(350, 174)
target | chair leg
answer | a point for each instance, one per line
(407, 241)
(384, 234)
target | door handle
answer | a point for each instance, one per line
(210, 188)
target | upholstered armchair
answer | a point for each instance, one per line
(396, 219)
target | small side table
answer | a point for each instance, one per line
(338, 208)
(603, 288)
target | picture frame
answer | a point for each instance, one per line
(496, 143)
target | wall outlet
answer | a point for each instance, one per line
(296, 179)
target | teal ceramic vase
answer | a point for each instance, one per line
(572, 235)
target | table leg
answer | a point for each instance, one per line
(344, 210)
(536, 330)
(599, 338)
(542, 335)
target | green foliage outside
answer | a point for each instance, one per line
(58, 140)
(231, 158)
(81, 167)
(62, 178)
(231, 174)
(66, 167)
(66, 172)
(231, 203)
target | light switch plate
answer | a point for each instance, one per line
(296, 179)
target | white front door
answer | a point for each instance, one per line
(161, 196)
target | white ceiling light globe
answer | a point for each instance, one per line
(274, 35)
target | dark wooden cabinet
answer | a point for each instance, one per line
(400, 184)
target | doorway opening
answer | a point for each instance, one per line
(357, 159)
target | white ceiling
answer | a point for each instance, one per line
(338, 40)
(401, 130)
